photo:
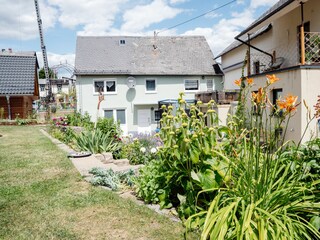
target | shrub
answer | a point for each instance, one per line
(111, 179)
(265, 197)
(141, 148)
(97, 142)
(186, 163)
(77, 119)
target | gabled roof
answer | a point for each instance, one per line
(182, 55)
(17, 74)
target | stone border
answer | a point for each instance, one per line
(84, 164)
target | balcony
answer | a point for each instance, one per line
(220, 97)
(287, 55)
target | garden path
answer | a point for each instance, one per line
(85, 164)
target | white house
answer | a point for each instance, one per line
(135, 73)
(284, 41)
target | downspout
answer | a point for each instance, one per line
(9, 108)
(249, 57)
(302, 46)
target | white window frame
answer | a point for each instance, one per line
(114, 114)
(188, 79)
(105, 80)
(155, 82)
(208, 84)
(42, 87)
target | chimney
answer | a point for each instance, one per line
(10, 50)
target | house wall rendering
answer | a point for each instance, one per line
(136, 105)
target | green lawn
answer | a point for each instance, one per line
(42, 196)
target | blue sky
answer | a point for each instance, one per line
(63, 20)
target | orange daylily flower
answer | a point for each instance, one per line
(257, 97)
(237, 82)
(272, 79)
(288, 104)
(250, 81)
(291, 100)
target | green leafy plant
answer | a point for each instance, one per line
(96, 141)
(186, 162)
(265, 197)
(77, 119)
(141, 149)
(111, 179)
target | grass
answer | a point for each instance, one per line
(42, 196)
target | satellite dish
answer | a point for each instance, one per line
(131, 82)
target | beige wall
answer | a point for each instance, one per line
(282, 39)
(305, 84)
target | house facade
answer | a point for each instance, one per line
(133, 75)
(284, 41)
(18, 83)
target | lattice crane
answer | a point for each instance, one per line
(44, 54)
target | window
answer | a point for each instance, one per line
(276, 94)
(42, 87)
(111, 86)
(121, 116)
(256, 67)
(122, 42)
(98, 86)
(150, 85)
(209, 84)
(118, 115)
(191, 85)
(108, 113)
(105, 86)
(59, 87)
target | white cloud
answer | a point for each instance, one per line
(262, 3)
(177, 1)
(19, 19)
(96, 16)
(142, 16)
(57, 59)
(222, 34)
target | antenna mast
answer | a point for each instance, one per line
(44, 54)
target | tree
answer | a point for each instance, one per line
(52, 74)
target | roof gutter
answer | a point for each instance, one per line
(264, 18)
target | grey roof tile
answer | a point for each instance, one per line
(183, 55)
(17, 74)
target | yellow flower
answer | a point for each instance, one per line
(250, 81)
(272, 78)
(237, 82)
(199, 102)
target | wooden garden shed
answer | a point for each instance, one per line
(18, 83)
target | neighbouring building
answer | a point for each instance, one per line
(18, 83)
(284, 41)
(137, 74)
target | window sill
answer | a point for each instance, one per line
(151, 92)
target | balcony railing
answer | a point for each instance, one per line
(220, 97)
(312, 47)
(288, 55)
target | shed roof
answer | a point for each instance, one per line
(17, 74)
(182, 55)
